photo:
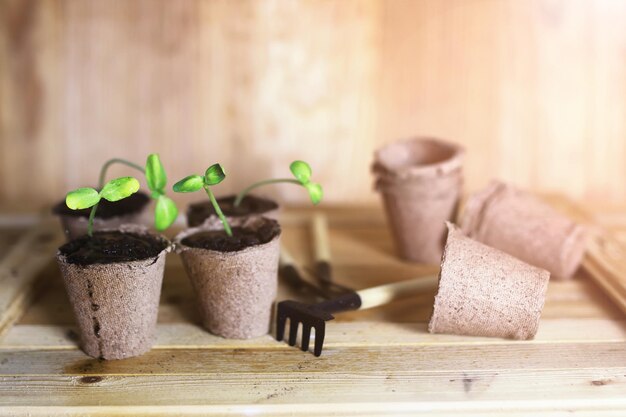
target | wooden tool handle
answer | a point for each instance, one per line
(376, 296)
(321, 247)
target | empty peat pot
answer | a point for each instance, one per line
(235, 278)
(420, 181)
(520, 224)
(486, 292)
(113, 281)
(131, 210)
(251, 205)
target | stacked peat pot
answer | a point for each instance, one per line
(495, 270)
(518, 223)
(420, 181)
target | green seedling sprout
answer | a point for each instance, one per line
(165, 210)
(113, 190)
(213, 176)
(302, 173)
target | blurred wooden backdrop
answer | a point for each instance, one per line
(536, 90)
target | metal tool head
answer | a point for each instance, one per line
(310, 318)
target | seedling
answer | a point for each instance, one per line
(113, 190)
(302, 173)
(165, 210)
(213, 176)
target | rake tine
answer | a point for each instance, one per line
(281, 319)
(319, 338)
(293, 331)
(306, 336)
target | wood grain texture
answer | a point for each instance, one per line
(533, 89)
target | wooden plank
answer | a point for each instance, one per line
(584, 407)
(20, 268)
(587, 389)
(547, 376)
(338, 334)
(402, 360)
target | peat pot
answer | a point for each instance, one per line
(420, 182)
(113, 281)
(235, 278)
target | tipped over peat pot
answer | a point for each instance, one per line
(198, 213)
(420, 181)
(235, 278)
(520, 224)
(131, 210)
(113, 281)
(485, 292)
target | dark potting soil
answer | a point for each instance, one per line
(197, 213)
(112, 246)
(218, 240)
(107, 209)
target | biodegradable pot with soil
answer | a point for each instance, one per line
(485, 292)
(520, 224)
(244, 204)
(113, 279)
(232, 265)
(235, 277)
(132, 210)
(420, 181)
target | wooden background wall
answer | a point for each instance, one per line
(536, 90)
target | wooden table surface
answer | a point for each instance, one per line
(381, 361)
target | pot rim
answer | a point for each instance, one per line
(125, 228)
(214, 223)
(452, 162)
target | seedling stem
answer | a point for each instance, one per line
(87, 197)
(165, 210)
(247, 190)
(218, 210)
(107, 164)
(212, 176)
(302, 173)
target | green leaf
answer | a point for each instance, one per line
(189, 184)
(315, 192)
(301, 170)
(165, 213)
(155, 173)
(82, 198)
(119, 188)
(214, 174)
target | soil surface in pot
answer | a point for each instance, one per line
(198, 212)
(218, 240)
(111, 247)
(107, 209)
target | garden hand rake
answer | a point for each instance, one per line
(315, 316)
